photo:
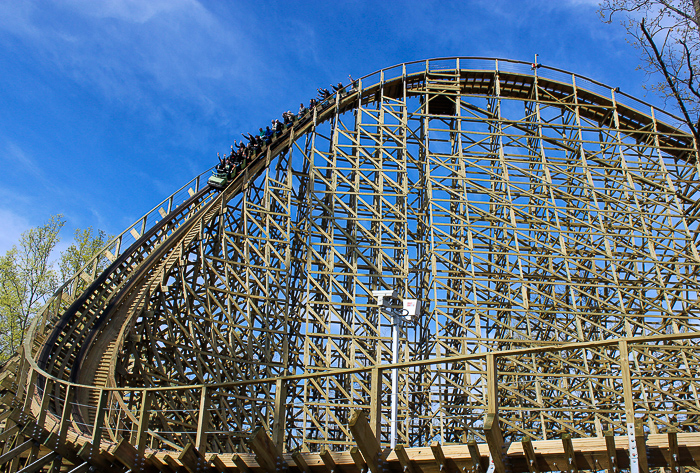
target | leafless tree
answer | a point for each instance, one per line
(668, 34)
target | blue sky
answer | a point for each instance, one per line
(106, 107)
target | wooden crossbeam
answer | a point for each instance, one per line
(366, 440)
(218, 464)
(439, 457)
(400, 452)
(641, 439)
(193, 460)
(356, 456)
(611, 452)
(569, 453)
(299, 461)
(266, 452)
(328, 460)
(530, 456)
(673, 457)
(240, 464)
(494, 438)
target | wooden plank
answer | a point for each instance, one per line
(279, 417)
(406, 464)
(530, 456)
(611, 452)
(478, 464)
(240, 464)
(266, 453)
(357, 458)
(328, 460)
(570, 455)
(494, 438)
(125, 453)
(375, 402)
(300, 462)
(366, 440)
(641, 440)
(439, 456)
(203, 421)
(673, 458)
(218, 464)
(92, 455)
(193, 460)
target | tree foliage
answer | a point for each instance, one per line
(668, 34)
(85, 245)
(27, 279)
(28, 276)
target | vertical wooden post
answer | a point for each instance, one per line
(142, 429)
(203, 421)
(491, 385)
(492, 430)
(280, 417)
(375, 403)
(99, 419)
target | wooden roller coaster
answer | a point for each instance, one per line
(546, 225)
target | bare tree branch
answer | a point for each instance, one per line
(669, 79)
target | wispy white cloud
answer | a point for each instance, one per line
(134, 51)
(12, 224)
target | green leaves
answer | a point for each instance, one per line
(28, 276)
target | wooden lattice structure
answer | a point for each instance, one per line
(546, 223)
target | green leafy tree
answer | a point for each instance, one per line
(85, 245)
(668, 34)
(27, 279)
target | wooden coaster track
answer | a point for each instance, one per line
(554, 248)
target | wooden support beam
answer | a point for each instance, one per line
(280, 414)
(173, 464)
(375, 403)
(494, 438)
(203, 420)
(40, 463)
(267, 454)
(366, 440)
(88, 453)
(125, 453)
(327, 460)
(673, 458)
(99, 418)
(406, 463)
(357, 458)
(641, 440)
(439, 457)
(218, 464)
(530, 456)
(611, 452)
(193, 460)
(569, 453)
(478, 465)
(161, 464)
(240, 464)
(142, 430)
(300, 462)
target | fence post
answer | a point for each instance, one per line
(142, 429)
(99, 419)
